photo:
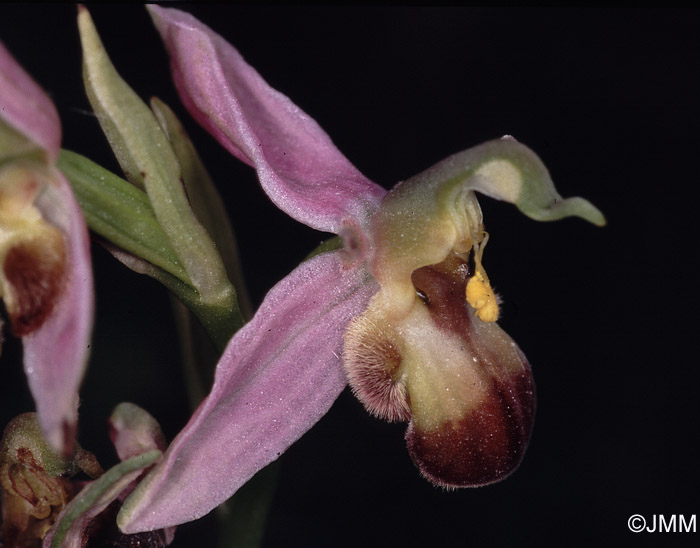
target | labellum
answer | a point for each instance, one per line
(462, 384)
(32, 251)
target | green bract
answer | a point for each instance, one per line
(149, 161)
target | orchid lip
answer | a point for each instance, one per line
(460, 382)
(32, 252)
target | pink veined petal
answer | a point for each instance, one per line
(299, 167)
(55, 355)
(278, 376)
(26, 107)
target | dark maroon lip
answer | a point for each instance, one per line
(489, 442)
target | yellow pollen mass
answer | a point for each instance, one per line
(481, 297)
(479, 294)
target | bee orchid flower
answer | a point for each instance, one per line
(404, 310)
(45, 269)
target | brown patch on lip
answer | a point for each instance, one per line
(35, 270)
(483, 447)
(443, 288)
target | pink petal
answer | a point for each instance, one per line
(278, 376)
(299, 167)
(25, 106)
(55, 355)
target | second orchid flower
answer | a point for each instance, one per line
(45, 267)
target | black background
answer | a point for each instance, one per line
(607, 317)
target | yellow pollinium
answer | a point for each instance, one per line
(479, 293)
(482, 298)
